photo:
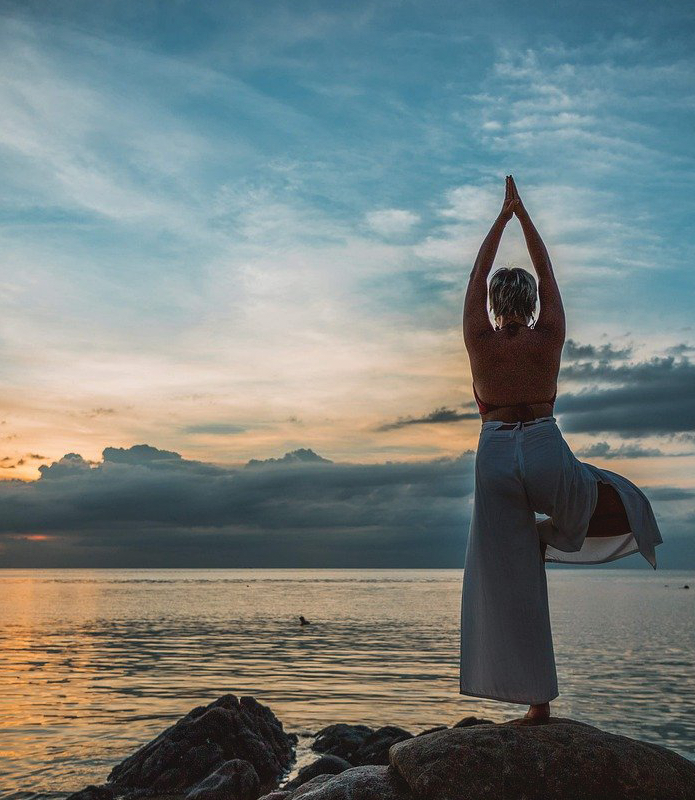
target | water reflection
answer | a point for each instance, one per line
(94, 663)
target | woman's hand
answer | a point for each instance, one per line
(519, 209)
(510, 200)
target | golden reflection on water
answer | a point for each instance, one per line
(96, 662)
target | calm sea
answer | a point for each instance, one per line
(94, 663)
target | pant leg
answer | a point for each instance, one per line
(558, 485)
(506, 643)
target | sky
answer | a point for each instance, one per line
(235, 241)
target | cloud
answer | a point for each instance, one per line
(573, 351)
(669, 493)
(216, 428)
(68, 466)
(605, 450)
(652, 397)
(392, 221)
(100, 412)
(142, 505)
(301, 456)
(439, 415)
(139, 454)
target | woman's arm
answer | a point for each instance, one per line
(475, 316)
(552, 315)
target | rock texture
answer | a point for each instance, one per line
(466, 722)
(341, 739)
(326, 765)
(375, 747)
(202, 741)
(359, 744)
(357, 783)
(561, 760)
(234, 780)
(101, 792)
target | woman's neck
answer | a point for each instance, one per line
(503, 322)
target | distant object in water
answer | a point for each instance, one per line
(303, 620)
(685, 586)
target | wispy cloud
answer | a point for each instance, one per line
(392, 221)
(439, 415)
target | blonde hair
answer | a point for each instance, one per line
(513, 292)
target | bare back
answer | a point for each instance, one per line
(515, 365)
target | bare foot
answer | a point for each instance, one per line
(538, 713)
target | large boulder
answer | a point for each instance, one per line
(202, 741)
(560, 760)
(341, 739)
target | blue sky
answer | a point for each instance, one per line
(233, 230)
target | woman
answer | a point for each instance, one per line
(523, 466)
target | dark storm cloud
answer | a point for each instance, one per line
(680, 349)
(636, 450)
(304, 455)
(667, 493)
(573, 351)
(439, 415)
(144, 506)
(651, 397)
(605, 450)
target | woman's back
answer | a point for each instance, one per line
(515, 365)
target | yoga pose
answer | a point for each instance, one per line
(524, 467)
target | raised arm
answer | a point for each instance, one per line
(475, 317)
(552, 315)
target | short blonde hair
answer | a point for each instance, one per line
(513, 292)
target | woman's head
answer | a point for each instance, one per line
(513, 293)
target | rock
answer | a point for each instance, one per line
(341, 739)
(560, 760)
(203, 740)
(375, 748)
(92, 792)
(278, 794)
(234, 780)
(326, 765)
(432, 730)
(310, 785)
(466, 722)
(357, 783)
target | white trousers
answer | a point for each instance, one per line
(506, 641)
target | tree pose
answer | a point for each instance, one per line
(524, 467)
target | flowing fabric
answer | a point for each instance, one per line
(506, 641)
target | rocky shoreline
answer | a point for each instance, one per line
(237, 749)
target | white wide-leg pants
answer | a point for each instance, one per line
(506, 641)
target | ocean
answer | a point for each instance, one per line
(94, 663)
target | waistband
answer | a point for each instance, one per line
(496, 424)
